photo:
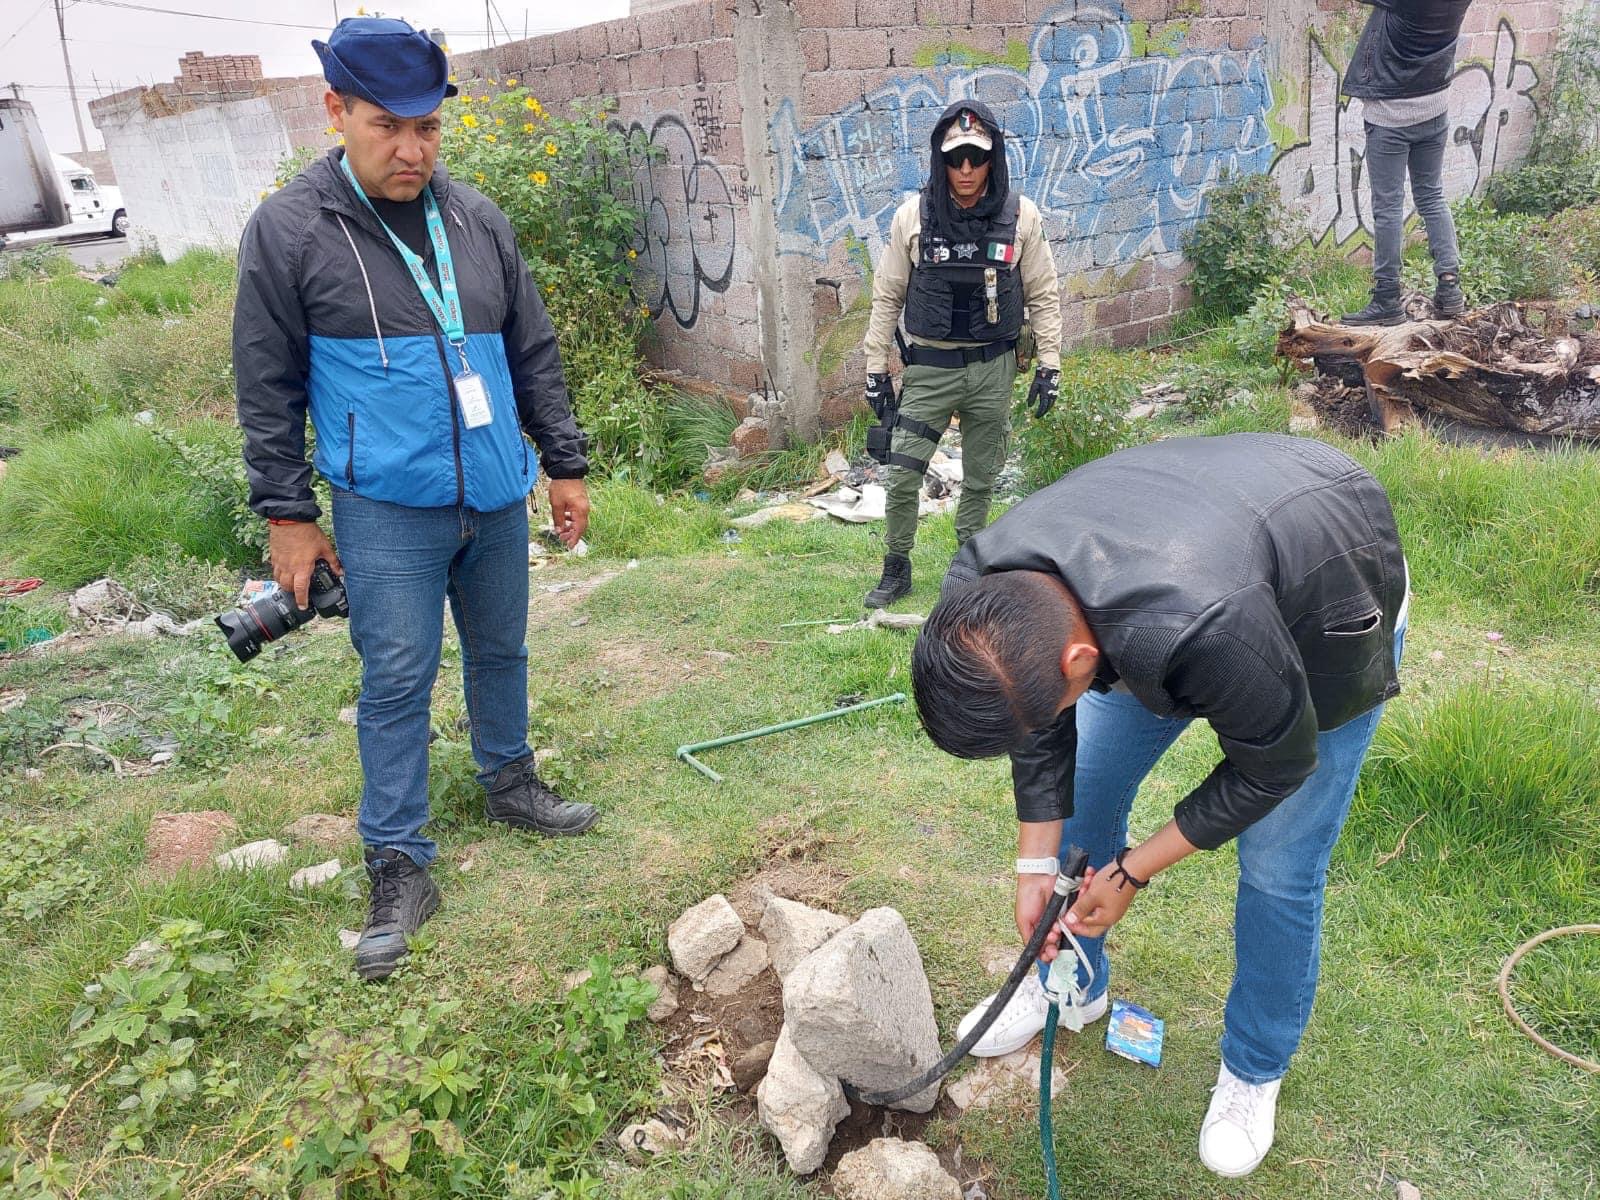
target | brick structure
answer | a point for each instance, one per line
(787, 131)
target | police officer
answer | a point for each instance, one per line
(966, 258)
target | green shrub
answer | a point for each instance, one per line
(1097, 388)
(556, 179)
(1519, 531)
(1569, 117)
(1542, 188)
(1245, 238)
(83, 504)
(179, 584)
(1575, 237)
(44, 261)
(695, 425)
(1503, 257)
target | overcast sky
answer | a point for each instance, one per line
(117, 44)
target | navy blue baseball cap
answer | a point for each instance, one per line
(396, 67)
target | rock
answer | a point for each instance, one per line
(836, 464)
(268, 852)
(1302, 422)
(667, 1002)
(307, 878)
(702, 935)
(142, 955)
(1013, 1076)
(323, 830)
(738, 967)
(103, 600)
(752, 437)
(189, 839)
(348, 938)
(347, 714)
(799, 1106)
(793, 930)
(858, 1007)
(751, 1066)
(573, 980)
(1407, 1191)
(890, 1169)
(160, 758)
(652, 1137)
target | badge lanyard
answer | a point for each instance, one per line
(446, 309)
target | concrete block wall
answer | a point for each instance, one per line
(787, 131)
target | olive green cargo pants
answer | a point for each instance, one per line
(978, 393)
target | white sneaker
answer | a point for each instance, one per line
(1021, 1020)
(1239, 1125)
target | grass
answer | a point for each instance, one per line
(1406, 1020)
(85, 503)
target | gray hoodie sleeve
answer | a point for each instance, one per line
(271, 359)
(543, 405)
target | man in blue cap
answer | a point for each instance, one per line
(390, 302)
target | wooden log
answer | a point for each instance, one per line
(1489, 369)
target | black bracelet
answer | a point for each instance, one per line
(1138, 884)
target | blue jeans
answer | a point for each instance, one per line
(400, 566)
(1392, 154)
(1283, 864)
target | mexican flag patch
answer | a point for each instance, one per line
(1003, 252)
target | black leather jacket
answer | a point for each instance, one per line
(1252, 580)
(1408, 48)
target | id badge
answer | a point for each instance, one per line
(474, 396)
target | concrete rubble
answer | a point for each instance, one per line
(1011, 1077)
(648, 1138)
(799, 1106)
(105, 604)
(701, 936)
(307, 878)
(268, 852)
(667, 1002)
(891, 1169)
(793, 930)
(859, 1008)
(738, 967)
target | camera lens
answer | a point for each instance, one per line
(266, 619)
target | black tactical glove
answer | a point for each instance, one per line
(880, 392)
(1046, 390)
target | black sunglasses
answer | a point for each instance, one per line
(973, 156)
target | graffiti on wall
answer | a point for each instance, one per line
(687, 238)
(1321, 178)
(1117, 148)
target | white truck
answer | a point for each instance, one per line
(45, 196)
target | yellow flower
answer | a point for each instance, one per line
(289, 1142)
(330, 131)
(527, 127)
(361, 10)
(452, 79)
(483, 99)
(466, 99)
(511, 1167)
(446, 48)
(499, 120)
(511, 83)
(263, 195)
(540, 178)
(531, 104)
(551, 290)
(494, 83)
(481, 177)
(489, 137)
(550, 149)
(633, 254)
(470, 121)
(644, 310)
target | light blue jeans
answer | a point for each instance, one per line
(400, 566)
(1283, 865)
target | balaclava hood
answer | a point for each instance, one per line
(953, 222)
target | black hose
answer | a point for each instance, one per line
(1072, 866)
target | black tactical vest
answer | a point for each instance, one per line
(949, 294)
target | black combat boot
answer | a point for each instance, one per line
(1448, 298)
(896, 582)
(518, 797)
(403, 897)
(1380, 310)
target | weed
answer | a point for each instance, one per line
(179, 584)
(26, 620)
(1502, 257)
(42, 871)
(1097, 388)
(630, 522)
(1244, 239)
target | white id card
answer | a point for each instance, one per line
(474, 396)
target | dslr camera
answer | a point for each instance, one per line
(250, 627)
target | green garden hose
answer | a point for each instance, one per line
(1047, 1129)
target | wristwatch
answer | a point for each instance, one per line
(1038, 866)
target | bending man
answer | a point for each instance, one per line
(1255, 582)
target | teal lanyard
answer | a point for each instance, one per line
(447, 308)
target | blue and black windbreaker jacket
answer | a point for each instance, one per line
(328, 319)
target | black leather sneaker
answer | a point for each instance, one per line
(519, 798)
(403, 897)
(896, 582)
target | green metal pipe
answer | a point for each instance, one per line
(686, 754)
